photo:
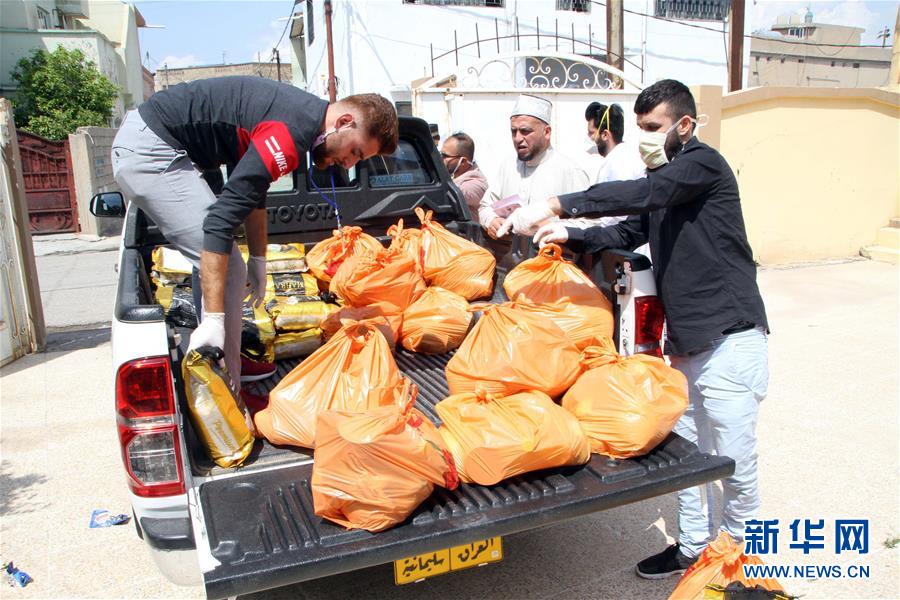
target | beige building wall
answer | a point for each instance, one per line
(168, 77)
(817, 168)
(92, 173)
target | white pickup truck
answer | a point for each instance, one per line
(243, 530)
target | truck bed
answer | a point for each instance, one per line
(263, 529)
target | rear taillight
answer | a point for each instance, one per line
(148, 432)
(648, 325)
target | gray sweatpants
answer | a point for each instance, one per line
(163, 183)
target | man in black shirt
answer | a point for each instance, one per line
(688, 208)
(259, 129)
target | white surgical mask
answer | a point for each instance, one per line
(652, 146)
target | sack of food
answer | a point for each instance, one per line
(626, 404)
(388, 325)
(387, 278)
(720, 568)
(326, 257)
(257, 334)
(510, 350)
(290, 284)
(178, 302)
(294, 344)
(281, 258)
(170, 267)
(221, 420)
(373, 469)
(299, 313)
(454, 263)
(493, 438)
(554, 287)
(353, 372)
(436, 323)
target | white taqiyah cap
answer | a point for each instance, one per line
(533, 106)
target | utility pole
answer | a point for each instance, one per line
(277, 62)
(332, 88)
(884, 34)
(615, 37)
(736, 46)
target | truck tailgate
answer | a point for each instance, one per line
(263, 530)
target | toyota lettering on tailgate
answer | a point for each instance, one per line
(300, 213)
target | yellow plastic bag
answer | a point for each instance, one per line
(388, 325)
(293, 344)
(353, 372)
(554, 287)
(299, 313)
(721, 563)
(326, 257)
(257, 334)
(221, 420)
(387, 278)
(494, 438)
(626, 404)
(511, 350)
(408, 241)
(373, 469)
(454, 263)
(436, 323)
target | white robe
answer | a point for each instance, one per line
(548, 175)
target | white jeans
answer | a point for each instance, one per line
(163, 183)
(726, 381)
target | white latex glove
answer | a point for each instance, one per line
(210, 332)
(525, 220)
(256, 279)
(551, 233)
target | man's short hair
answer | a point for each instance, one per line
(465, 145)
(614, 121)
(379, 119)
(675, 94)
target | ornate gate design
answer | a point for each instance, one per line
(49, 185)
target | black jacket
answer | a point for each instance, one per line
(255, 126)
(690, 212)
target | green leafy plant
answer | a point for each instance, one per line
(60, 91)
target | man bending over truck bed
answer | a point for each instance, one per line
(259, 128)
(689, 209)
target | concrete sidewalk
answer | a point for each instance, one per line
(78, 277)
(828, 449)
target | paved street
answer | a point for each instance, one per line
(829, 449)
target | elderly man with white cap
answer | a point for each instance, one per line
(539, 171)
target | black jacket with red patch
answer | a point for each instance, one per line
(255, 126)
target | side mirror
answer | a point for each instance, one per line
(108, 204)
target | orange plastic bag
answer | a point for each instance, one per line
(562, 292)
(454, 263)
(721, 563)
(436, 323)
(388, 325)
(626, 404)
(493, 438)
(326, 257)
(408, 241)
(373, 469)
(355, 371)
(511, 350)
(387, 279)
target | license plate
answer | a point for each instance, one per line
(422, 566)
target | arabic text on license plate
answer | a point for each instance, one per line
(422, 566)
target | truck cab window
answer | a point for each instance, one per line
(403, 167)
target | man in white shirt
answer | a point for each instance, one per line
(538, 172)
